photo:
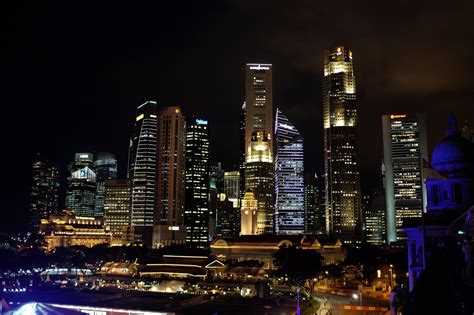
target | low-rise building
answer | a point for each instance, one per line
(67, 229)
(181, 267)
(262, 247)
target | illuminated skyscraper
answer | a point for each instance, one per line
(343, 199)
(81, 185)
(259, 167)
(259, 178)
(242, 150)
(169, 216)
(44, 192)
(232, 187)
(289, 181)
(142, 170)
(258, 102)
(117, 209)
(105, 166)
(404, 142)
(216, 188)
(196, 205)
(314, 205)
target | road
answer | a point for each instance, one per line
(333, 301)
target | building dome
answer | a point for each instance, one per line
(453, 157)
(453, 151)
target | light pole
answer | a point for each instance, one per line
(391, 275)
(356, 296)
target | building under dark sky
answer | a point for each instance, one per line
(73, 74)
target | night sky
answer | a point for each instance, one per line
(73, 73)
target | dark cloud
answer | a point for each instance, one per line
(73, 74)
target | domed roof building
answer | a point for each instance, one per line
(449, 216)
(453, 157)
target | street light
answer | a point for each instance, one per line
(356, 296)
(391, 275)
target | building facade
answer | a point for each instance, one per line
(341, 162)
(142, 170)
(242, 149)
(289, 179)
(314, 205)
(81, 185)
(105, 165)
(259, 132)
(44, 191)
(232, 187)
(259, 178)
(216, 188)
(118, 209)
(67, 229)
(404, 141)
(169, 216)
(248, 214)
(196, 205)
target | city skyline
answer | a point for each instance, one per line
(387, 81)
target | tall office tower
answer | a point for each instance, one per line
(260, 180)
(232, 187)
(44, 192)
(105, 165)
(142, 171)
(374, 217)
(228, 218)
(242, 151)
(216, 187)
(404, 147)
(289, 181)
(81, 185)
(196, 205)
(343, 199)
(118, 209)
(258, 102)
(259, 132)
(314, 205)
(169, 219)
(248, 214)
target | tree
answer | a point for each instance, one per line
(300, 266)
(367, 258)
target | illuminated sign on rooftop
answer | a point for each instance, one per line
(397, 116)
(201, 122)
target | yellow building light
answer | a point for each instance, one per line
(139, 117)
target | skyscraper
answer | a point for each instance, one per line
(404, 142)
(259, 178)
(169, 219)
(341, 162)
(117, 209)
(374, 217)
(242, 150)
(232, 187)
(44, 192)
(258, 102)
(105, 166)
(81, 185)
(289, 181)
(314, 205)
(216, 188)
(142, 170)
(196, 205)
(259, 167)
